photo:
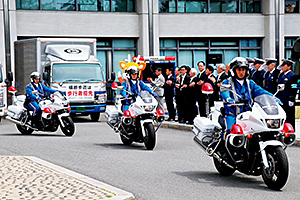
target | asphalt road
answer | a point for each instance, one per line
(176, 169)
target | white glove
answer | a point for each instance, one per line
(262, 67)
(251, 66)
(291, 103)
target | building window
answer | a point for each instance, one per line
(78, 5)
(111, 51)
(190, 52)
(288, 46)
(291, 6)
(210, 6)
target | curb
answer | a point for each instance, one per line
(185, 127)
(119, 194)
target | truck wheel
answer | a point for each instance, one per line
(24, 130)
(95, 117)
(69, 127)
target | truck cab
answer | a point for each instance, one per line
(79, 75)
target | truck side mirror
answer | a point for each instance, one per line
(10, 78)
(45, 76)
(113, 77)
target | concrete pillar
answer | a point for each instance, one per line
(281, 5)
(2, 36)
(143, 41)
(269, 42)
(156, 28)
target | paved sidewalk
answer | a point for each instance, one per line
(33, 178)
(185, 127)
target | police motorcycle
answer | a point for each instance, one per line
(55, 112)
(137, 123)
(256, 143)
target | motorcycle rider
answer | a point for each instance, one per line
(243, 89)
(132, 86)
(35, 91)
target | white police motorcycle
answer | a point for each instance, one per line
(55, 112)
(137, 123)
(256, 143)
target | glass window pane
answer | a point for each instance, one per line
(185, 58)
(119, 56)
(250, 6)
(225, 43)
(288, 53)
(167, 43)
(58, 4)
(229, 55)
(291, 6)
(103, 5)
(27, 4)
(101, 56)
(103, 43)
(196, 6)
(250, 53)
(199, 56)
(87, 5)
(249, 43)
(124, 43)
(223, 6)
(123, 6)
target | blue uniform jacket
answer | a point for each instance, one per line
(134, 88)
(243, 91)
(42, 91)
(290, 89)
(270, 81)
(257, 76)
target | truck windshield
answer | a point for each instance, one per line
(74, 72)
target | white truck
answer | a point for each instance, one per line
(67, 64)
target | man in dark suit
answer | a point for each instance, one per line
(287, 96)
(212, 80)
(192, 109)
(177, 93)
(200, 98)
(169, 93)
(270, 78)
(184, 80)
(220, 78)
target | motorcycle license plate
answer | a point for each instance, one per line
(80, 109)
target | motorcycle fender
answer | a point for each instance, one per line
(142, 125)
(263, 145)
(62, 115)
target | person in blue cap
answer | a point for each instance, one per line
(35, 92)
(270, 78)
(287, 96)
(242, 88)
(257, 72)
(250, 61)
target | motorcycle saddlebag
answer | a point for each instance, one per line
(203, 126)
(111, 114)
(15, 111)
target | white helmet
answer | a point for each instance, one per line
(132, 70)
(34, 75)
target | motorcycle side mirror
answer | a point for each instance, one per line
(224, 88)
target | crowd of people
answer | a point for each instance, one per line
(185, 86)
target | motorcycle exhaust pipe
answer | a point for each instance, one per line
(215, 155)
(19, 123)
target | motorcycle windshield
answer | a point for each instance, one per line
(268, 104)
(145, 96)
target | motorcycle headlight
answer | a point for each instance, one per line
(149, 108)
(273, 123)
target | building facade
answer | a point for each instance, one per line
(186, 29)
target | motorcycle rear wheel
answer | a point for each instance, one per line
(69, 127)
(275, 177)
(24, 130)
(149, 139)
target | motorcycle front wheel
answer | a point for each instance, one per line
(68, 129)
(24, 130)
(125, 140)
(220, 166)
(275, 177)
(149, 139)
